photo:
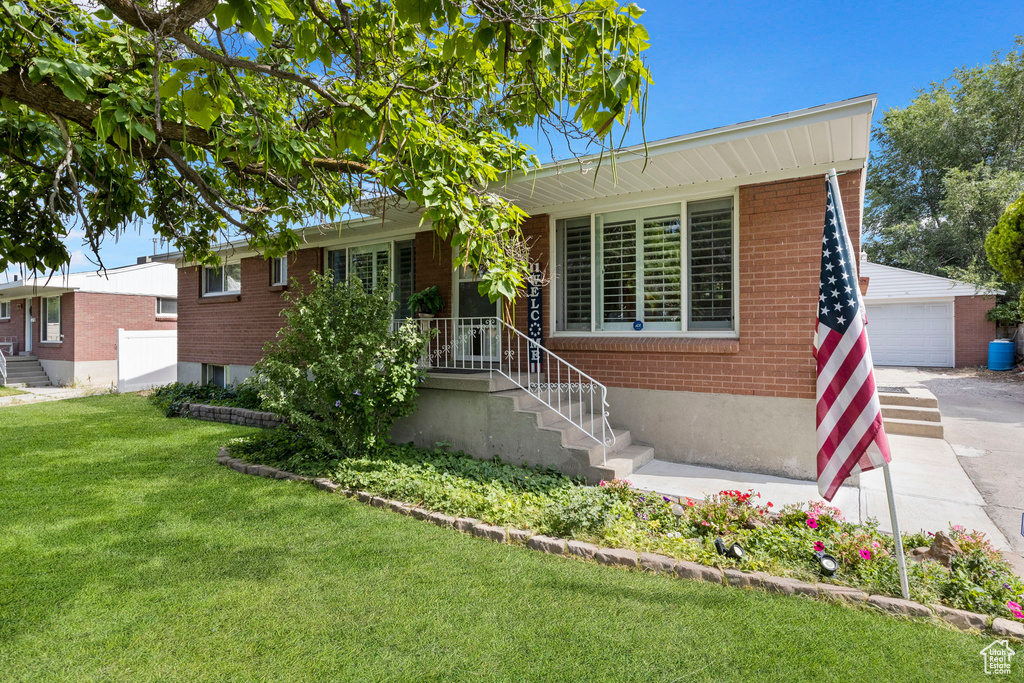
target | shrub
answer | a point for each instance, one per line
(337, 371)
(170, 397)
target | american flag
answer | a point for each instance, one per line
(851, 437)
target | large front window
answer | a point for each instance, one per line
(620, 271)
(377, 266)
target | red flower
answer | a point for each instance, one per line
(771, 504)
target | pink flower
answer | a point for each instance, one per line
(1017, 613)
(1013, 605)
(818, 546)
(876, 544)
(812, 522)
(865, 554)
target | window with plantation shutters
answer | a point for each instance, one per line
(574, 273)
(662, 270)
(649, 266)
(405, 275)
(371, 265)
(711, 265)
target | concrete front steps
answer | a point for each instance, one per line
(915, 413)
(25, 371)
(616, 461)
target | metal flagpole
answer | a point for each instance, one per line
(897, 537)
(901, 560)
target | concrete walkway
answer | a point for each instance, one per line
(41, 394)
(932, 490)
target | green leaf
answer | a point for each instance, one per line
(144, 130)
(281, 9)
(200, 108)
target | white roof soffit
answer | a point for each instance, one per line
(802, 142)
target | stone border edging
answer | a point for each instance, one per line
(962, 620)
(231, 415)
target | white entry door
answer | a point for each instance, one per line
(920, 334)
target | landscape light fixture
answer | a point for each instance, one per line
(829, 564)
(735, 551)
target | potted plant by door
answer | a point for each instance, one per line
(426, 304)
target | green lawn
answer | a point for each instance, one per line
(126, 553)
(9, 391)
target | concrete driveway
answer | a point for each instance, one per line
(983, 416)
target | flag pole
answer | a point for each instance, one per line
(897, 537)
(901, 560)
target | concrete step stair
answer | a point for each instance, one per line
(919, 398)
(599, 463)
(26, 371)
(912, 413)
(913, 427)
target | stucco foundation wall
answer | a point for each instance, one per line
(89, 373)
(484, 425)
(764, 434)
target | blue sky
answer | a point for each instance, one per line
(719, 63)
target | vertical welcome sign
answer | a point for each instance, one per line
(535, 316)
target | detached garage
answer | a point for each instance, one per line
(926, 320)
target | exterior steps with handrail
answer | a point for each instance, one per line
(25, 371)
(616, 461)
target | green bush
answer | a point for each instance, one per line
(337, 372)
(170, 397)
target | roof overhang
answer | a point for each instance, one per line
(26, 288)
(799, 143)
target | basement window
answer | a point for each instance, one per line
(216, 375)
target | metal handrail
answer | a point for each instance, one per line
(493, 345)
(3, 367)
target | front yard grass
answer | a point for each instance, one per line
(126, 553)
(10, 391)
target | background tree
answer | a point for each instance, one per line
(945, 168)
(246, 117)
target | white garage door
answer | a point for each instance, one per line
(912, 334)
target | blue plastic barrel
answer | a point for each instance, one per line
(1000, 354)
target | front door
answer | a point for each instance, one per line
(476, 331)
(28, 326)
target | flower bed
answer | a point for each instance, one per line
(784, 542)
(171, 397)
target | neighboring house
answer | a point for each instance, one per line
(686, 283)
(926, 320)
(69, 322)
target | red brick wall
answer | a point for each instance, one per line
(233, 329)
(434, 267)
(780, 225)
(65, 350)
(973, 332)
(89, 322)
(15, 327)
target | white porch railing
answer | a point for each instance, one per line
(3, 368)
(493, 345)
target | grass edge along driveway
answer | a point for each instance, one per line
(127, 553)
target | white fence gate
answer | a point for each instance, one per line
(146, 359)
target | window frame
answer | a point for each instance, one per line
(44, 337)
(3, 305)
(206, 370)
(161, 314)
(281, 280)
(605, 207)
(392, 241)
(205, 275)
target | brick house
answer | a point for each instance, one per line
(684, 286)
(68, 323)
